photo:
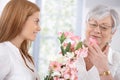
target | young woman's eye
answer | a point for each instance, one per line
(36, 21)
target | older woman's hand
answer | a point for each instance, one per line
(98, 57)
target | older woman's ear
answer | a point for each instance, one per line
(114, 32)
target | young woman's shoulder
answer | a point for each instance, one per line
(4, 61)
(4, 53)
(3, 49)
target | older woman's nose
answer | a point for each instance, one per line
(97, 29)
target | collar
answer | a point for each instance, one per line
(110, 53)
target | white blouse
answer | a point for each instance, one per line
(93, 74)
(12, 66)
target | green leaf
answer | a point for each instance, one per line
(62, 38)
(49, 77)
(79, 45)
(46, 78)
(63, 51)
(68, 47)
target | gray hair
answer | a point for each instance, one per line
(102, 11)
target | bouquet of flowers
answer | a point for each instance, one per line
(64, 68)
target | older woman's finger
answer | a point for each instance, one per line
(97, 48)
(106, 50)
(91, 49)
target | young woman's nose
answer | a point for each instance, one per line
(39, 28)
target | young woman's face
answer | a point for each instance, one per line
(100, 30)
(31, 27)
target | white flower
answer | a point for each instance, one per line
(62, 59)
(70, 55)
(56, 73)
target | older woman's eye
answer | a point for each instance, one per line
(93, 24)
(104, 27)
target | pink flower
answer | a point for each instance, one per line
(73, 46)
(67, 73)
(82, 52)
(68, 34)
(92, 41)
(64, 68)
(56, 78)
(65, 44)
(75, 38)
(59, 34)
(55, 66)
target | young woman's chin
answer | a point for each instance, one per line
(32, 38)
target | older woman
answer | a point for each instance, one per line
(102, 63)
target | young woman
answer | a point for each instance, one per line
(19, 25)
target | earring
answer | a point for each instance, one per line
(109, 42)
